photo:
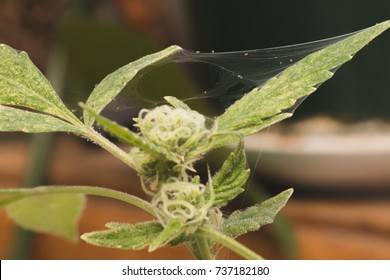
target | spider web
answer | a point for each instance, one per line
(209, 82)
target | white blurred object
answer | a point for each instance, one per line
(324, 153)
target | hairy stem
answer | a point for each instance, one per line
(203, 247)
(94, 136)
(230, 243)
(87, 190)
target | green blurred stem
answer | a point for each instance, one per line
(40, 147)
(230, 243)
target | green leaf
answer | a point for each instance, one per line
(228, 181)
(254, 217)
(226, 138)
(7, 200)
(266, 105)
(111, 85)
(125, 236)
(125, 135)
(56, 214)
(170, 232)
(12, 119)
(22, 84)
(176, 103)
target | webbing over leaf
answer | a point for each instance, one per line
(266, 105)
(111, 85)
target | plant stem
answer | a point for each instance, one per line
(87, 190)
(203, 247)
(93, 135)
(229, 243)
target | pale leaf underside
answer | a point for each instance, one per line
(56, 214)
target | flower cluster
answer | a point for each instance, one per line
(183, 133)
(188, 202)
(178, 130)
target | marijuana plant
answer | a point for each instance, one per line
(171, 138)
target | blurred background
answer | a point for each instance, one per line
(334, 151)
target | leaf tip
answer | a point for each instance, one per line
(290, 191)
(174, 48)
(286, 194)
(81, 104)
(385, 23)
(152, 247)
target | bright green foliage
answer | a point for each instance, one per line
(55, 214)
(135, 237)
(252, 218)
(171, 231)
(112, 85)
(228, 182)
(125, 236)
(264, 106)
